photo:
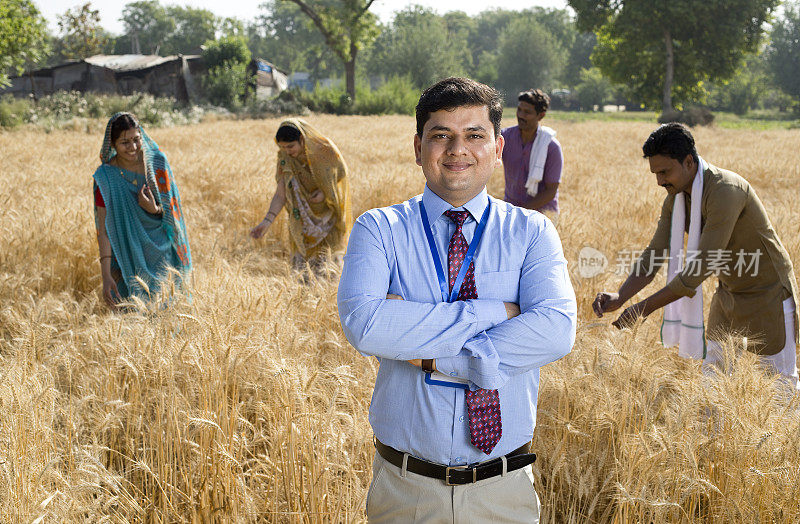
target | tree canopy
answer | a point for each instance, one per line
(81, 33)
(666, 50)
(529, 56)
(783, 53)
(420, 45)
(23, 37)
(347, 26)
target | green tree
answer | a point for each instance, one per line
(81, 33)
(489, 25)
(282, 34)
(227, 79)
(744, 90)
(193, 27)
(580, 58)
(783, 52)
(147, 26)
(231, 27)
(593, 89)
(676, 45)
(23, 37)
(529, 56)
(418, 43)
(347, 26)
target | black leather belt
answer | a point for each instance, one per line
(457, 475)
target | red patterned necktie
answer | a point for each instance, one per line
(483, 405)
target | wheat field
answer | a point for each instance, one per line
(245, 403)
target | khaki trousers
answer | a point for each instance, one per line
(404, 497)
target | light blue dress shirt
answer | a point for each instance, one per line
(519, 260)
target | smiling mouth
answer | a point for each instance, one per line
(457, 167)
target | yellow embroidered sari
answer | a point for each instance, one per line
(315, 227)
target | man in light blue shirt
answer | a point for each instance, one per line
(396, 305)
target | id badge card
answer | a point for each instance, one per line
(440, 379)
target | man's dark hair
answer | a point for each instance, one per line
(288, 134)
(672, 140)
(537, 98)
(450, 93)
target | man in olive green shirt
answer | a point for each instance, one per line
(757, 291)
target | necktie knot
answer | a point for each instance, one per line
(458, 217)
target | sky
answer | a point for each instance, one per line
(111, 10)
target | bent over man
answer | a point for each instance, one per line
(730, 236)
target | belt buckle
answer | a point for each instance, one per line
(448, 469)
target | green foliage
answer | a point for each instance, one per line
(23, 37)
(709, 37)
(147, 26)
(347, 26)
(745, 90)
(81, 34)
(593, 89)
(227, 78)
(13, 111)
(528, 57)
(151, 28)
(286, 103)
(783, 53)
(419, 44)
(225, 85)
(230, 50)
(332, 100)
(286, 37)
(61, 108)
(485, 40)
(398, 95)
(579, 58)
(193, 27)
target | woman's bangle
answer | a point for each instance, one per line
(273, 215)
(104, 256)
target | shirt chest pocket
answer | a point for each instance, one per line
(498, 285)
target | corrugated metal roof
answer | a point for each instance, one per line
(128, 62)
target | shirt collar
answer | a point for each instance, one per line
(435, 206)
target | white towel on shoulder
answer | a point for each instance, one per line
(683, 319)
(543, 138)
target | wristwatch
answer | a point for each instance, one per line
(427, 365)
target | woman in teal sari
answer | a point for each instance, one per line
(140, 227)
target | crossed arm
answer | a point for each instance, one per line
(473, 339)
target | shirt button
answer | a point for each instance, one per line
(461, 419)
(458, 460)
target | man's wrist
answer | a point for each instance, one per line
(428, 365)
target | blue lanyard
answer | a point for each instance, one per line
(452, 296)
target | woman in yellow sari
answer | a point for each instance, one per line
(312, 184)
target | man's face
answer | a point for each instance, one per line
(527, 117)
(458, 152)
(673, 175)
